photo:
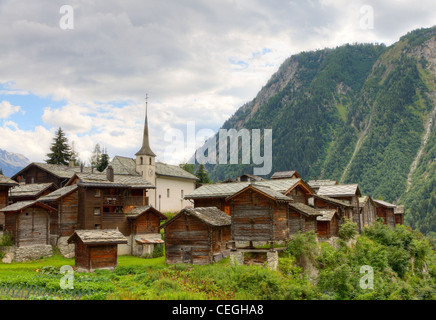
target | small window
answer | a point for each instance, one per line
(97, 211)
(149, 161)
(168, 193)
(97, 226)
(97, 193)
(227, 210)
(141, 160)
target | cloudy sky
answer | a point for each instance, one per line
(88, 70)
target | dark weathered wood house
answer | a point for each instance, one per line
(385, 210)
(144, 228)
(5, 185)
(327, 224)
(343, 208)
(302, 218)
(96, 249)
(197, 236)
(215, 195)
(345, 192)
(28, 222)
(259, 213)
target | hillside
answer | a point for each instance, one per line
(360, 113)
(11, 163)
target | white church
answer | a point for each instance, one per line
(172, 182)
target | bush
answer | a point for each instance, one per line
(347, 230)
(6, 240)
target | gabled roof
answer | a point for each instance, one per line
(99, 180)
(319, 183)
(339, 190)
(224, 190)
(334, 201)
(5, 181)
(30, 190)
(140, 210)
(265, 190)
(385, 204)
(58, 170)
(106, 236)
(21, 205)
(251, 176)
(363, 200)
(212, 216)
(149, 238)
(59, 193)
(305, 209)
(327, 215)
(123, 165)
(285, 175)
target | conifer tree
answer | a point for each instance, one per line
(202, 174)
(60, 150)
(103, 161)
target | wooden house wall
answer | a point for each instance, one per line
(147, 223)
(113, 220)
(37, 175)
(310, 224)
(390, 216)
(69, 206)
(369, 214)
(102, 256)
(187, 239)
(220, 237)
(87, 220)
(11, 223)
(253, 218)
(299, 195)
(33, 227)
(296, 222)
(323, 229)
(3, 203)
(381, 213)
(81, 255)
(399, 219)
(219, 203)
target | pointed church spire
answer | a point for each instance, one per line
(145, 150)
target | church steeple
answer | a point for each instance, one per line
(145, 150)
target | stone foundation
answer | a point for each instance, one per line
(272, 257)
(67, 250)
(21, 254)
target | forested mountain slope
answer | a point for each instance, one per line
(360, 113)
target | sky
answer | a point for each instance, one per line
(86, 66)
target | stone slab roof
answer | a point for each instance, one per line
(21, 205)
(268, 191)
(305, 209)
(385, 204)
(123, 165)
(327, 215)
(339, 190)
(319, 183)
(151, 238)
(224, 190)
(212, 216)
(284, 174)
(29, 190)
(399, 210)
(59, 193)
(342, 203)
(139, 210)
(120, 181)
(5, 181)
(106, 236)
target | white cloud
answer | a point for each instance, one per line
(6, 109)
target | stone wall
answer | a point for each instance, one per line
(20, 254)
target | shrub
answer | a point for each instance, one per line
(6, 240)
(347, 230)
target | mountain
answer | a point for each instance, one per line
(361, 113)
(11, 163)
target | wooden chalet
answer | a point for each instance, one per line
(345, 192)
(385, 210)
(399, 214)
(259, 213)
(197, 236)
(5, 185)
(343, 208)
(302, 218)
(215, 195)
(28, 222)
(327, 224)
(33, 191)
(144, 228)
(368, 211)
(96, 249)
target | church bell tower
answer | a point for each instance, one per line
(145, 158)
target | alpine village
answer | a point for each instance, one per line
(276, 237)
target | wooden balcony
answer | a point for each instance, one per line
(115, 200)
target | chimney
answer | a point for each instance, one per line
(81, 168)
(92, 169)
(71, 164)
(110, 173)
